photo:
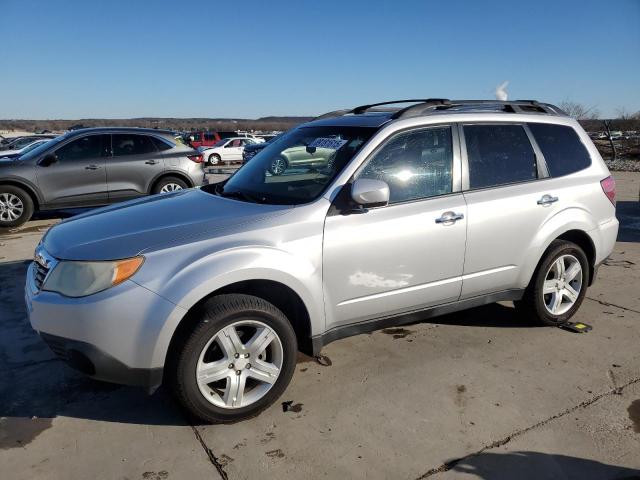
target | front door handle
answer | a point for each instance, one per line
(449, 217)
(150, 162)
(547, 200)
(91, 167)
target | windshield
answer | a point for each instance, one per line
(220, 143)
(33, 145)
(43, 147)
(297, 167)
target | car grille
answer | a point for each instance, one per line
(40, 273)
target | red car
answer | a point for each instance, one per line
(202, 139)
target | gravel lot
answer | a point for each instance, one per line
(477, 394)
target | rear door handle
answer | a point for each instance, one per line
(449, 217)
(91, 167)
(547, 200)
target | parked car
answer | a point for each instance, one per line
(202, 139)
(93, 167)
(251, 150)
(21, 151)
(226, 150)
(20, 142)
(436, 207)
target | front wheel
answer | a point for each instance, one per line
(278, 166)
(16, 206)
(558, 286)
(237, 360)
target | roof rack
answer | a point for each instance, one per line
(429, 105)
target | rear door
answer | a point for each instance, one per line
(233, 151)
(78, 176)
(505, 191)
(134, 164)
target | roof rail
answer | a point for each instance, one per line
(434, 101)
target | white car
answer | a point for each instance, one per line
(20, 151)
(226, 150)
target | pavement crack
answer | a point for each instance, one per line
(617, 390)
(212, 458)
(608, 304)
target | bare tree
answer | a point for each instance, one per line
(624, 114)
(579, 111)
(607, 129)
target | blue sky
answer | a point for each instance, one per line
(74, 59)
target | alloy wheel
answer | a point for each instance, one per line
(11, 207)
(170, 187)
(562, 284)
(239, 364)
(278, 166)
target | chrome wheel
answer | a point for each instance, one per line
(214, 160)
(11, 207)
(170, 187)
(239, 364)
(278, 166)
(562, 284)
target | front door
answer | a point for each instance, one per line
(409, 254)
(78, 177)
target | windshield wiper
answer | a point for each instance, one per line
(241, 196)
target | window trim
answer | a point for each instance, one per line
(455, 168)
(103, 154)
(541, 166)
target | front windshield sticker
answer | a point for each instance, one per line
(332, 143)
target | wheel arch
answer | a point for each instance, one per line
(169, 173)
(31, 190)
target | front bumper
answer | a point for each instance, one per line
(111, 335)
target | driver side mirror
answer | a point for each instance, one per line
(368, 192)
(49, 159)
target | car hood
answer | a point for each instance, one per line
(128, 229)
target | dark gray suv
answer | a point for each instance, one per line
(93, 167)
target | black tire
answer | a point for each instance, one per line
(215, 314)
(9, 192)
(532, 304)
(214, 159)
(169, 181)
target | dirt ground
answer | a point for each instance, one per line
(479, 394)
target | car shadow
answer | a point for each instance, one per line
(35, 384)
(628, 214)
(525, 465)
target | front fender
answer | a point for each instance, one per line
(573, 218)
(195, 281)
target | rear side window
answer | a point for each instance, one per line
(125, 144)
(562, 149)
(415, 165)
(499, 155)
(162, 146)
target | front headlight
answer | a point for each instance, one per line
(79, 279)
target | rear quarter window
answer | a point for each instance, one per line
(562, 148)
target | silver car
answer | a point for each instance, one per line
(92, 167)
(428, 209)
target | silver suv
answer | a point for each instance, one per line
(424, 210)
(92, 167)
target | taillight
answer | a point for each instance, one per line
(196, 158)
(609, 188)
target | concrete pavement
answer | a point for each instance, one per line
(477, 394)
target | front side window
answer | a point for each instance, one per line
(90, 146)
(499, 155)
(127, 144)
(415, 165)
(297, 168)
(562, 149)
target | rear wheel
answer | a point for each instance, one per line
(237, 360)
(16, 206)
(214, 159)
(170, 184)
(558, 286)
